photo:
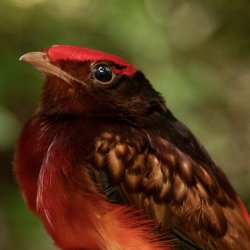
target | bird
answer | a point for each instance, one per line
(105, 164)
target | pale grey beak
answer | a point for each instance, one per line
(42, 62)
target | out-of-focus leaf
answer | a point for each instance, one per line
(9, 128)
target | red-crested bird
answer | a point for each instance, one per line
(105, 164)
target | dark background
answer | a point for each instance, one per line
(196, 53)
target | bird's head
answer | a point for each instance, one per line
(81, 81)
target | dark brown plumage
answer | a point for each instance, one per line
(97, 150)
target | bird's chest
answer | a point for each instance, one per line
(67, 200)
(53, 176)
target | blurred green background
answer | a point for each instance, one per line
(197, 53)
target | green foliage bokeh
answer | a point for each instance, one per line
(196, 53)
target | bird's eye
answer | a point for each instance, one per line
(102, 73)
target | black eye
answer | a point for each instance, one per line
(102, 73)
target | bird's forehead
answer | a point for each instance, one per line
(74, 53)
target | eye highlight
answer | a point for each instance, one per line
(103, 73)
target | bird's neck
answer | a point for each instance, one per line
(58, 97)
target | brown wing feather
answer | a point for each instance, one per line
(173, 190)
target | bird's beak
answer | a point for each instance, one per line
(42, 62)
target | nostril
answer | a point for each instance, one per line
(47, 58)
